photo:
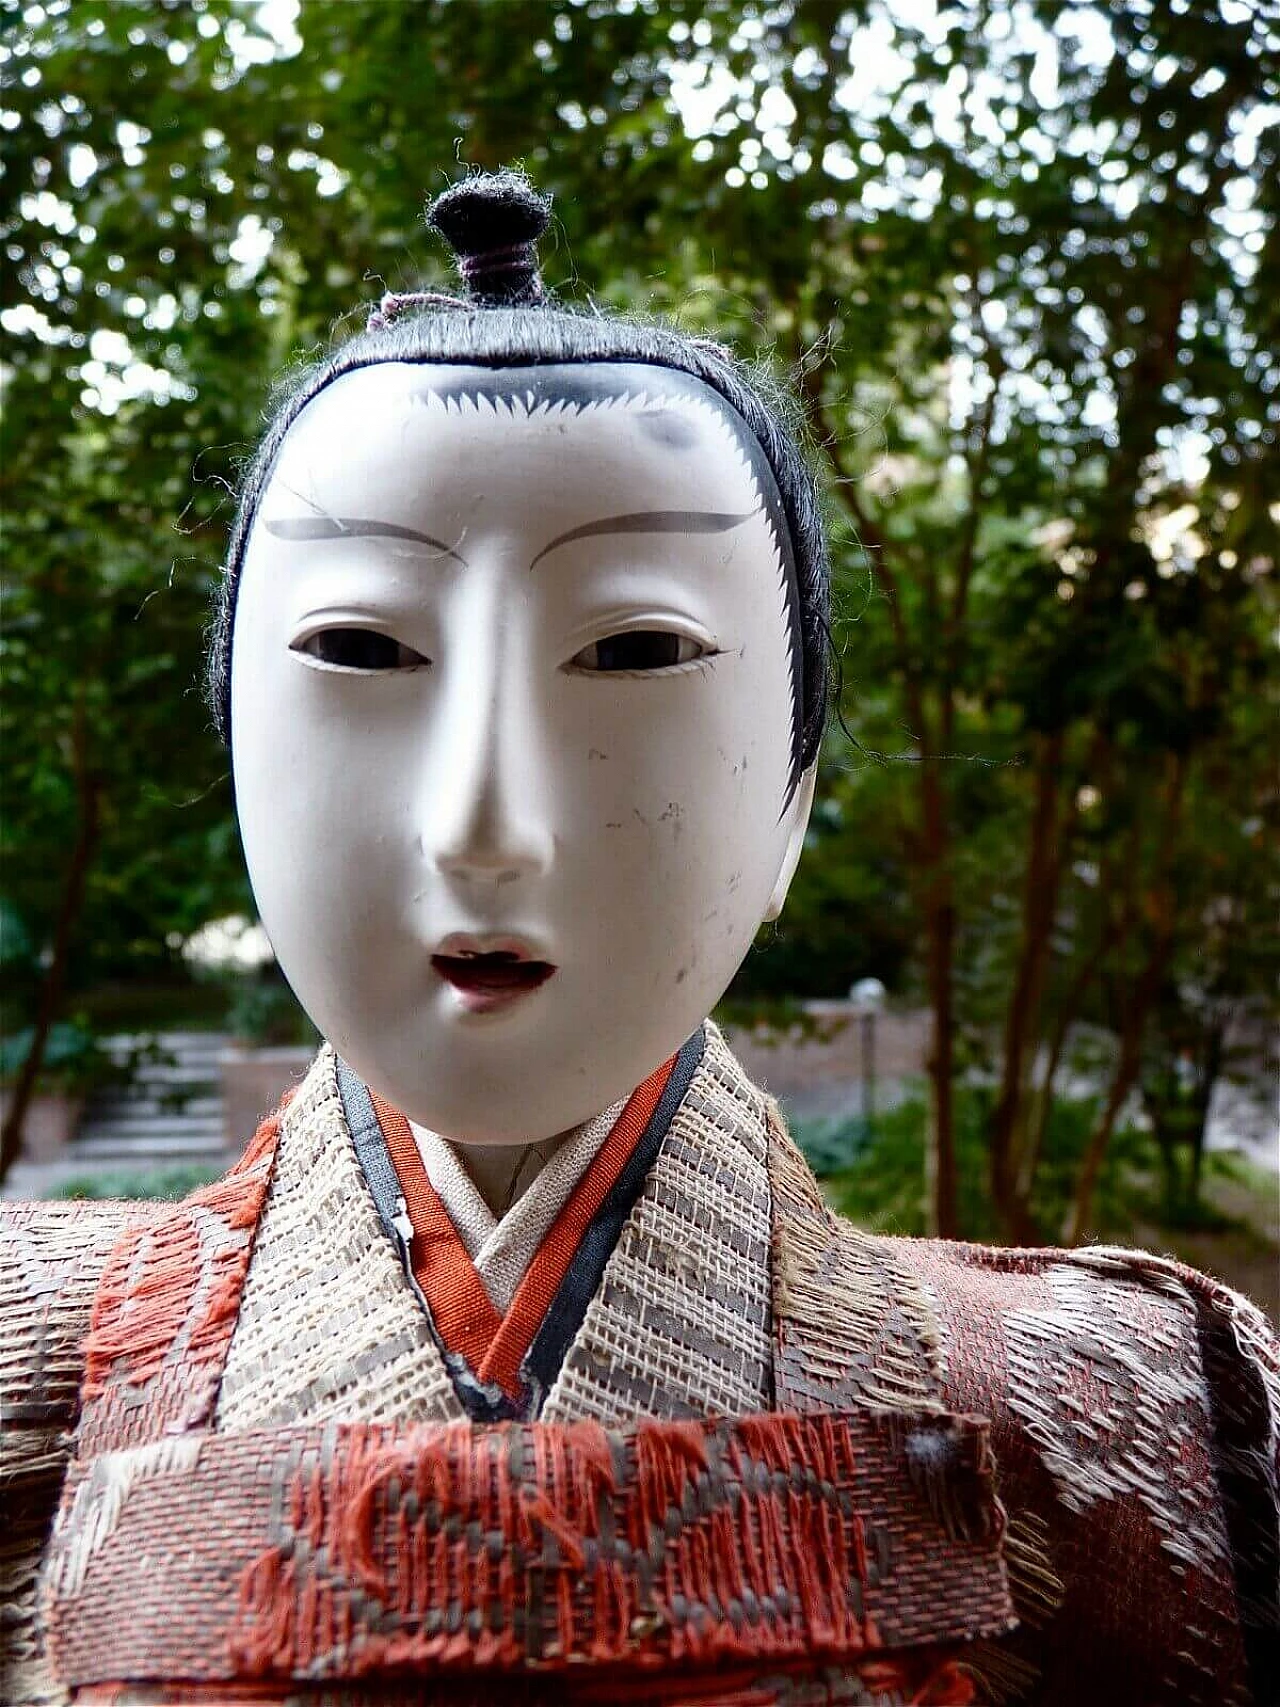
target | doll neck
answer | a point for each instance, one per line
(502, 1173)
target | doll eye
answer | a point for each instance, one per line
(640, 649)
(359, 649)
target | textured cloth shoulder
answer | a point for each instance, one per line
(1135, 1417)
(51, 1259)
(1133, 1407)
(65, 1294)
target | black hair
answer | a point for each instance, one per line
(493, 221)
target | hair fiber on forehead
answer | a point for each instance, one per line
(539, 335)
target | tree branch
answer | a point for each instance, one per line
(1137, 1008)
(88, 791)
(871, 538)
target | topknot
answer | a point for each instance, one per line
(492, 222)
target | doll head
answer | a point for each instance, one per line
(521, 658)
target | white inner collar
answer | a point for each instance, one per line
(503, 1247)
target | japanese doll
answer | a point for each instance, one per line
(519, 1358)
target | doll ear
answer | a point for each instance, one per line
(798, 816)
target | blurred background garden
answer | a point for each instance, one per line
(1020, 264)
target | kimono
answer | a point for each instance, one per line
(276, 1443)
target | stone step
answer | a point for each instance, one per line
(183, 1073)
(174, 1042)
(138, 1151)
(171, 1112)
(171, 1063)
(125, 1130)
(164, 1073)
(199, 1104)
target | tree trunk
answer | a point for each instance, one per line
(1214, 1055)
(1039, 909)
(1025, 1231)
(940, 932)
(1136, 1011)
(1121, 1084)
(51, 988)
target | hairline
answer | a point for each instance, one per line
(530, 337)
(674, 385)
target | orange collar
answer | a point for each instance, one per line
(466, 1320)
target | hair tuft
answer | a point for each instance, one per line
(492, 222)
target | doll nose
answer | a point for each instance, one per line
(488, 843)
(485, 818)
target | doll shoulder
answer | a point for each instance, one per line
(51, 1259)
(1112, 1326)
(1134, 1406)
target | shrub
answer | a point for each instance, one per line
(167, 1183)
(877, 1178)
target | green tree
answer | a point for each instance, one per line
(1042, 298)
(1022, 261)
(187, 203)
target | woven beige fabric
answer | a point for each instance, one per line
(51, 1258)
(472, 1218)
(329, 1325)
(680, 1325)
(502, 1248)
(869, 1326)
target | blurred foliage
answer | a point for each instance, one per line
(263, 1010)
(1021, 260)
(74, 1061)
(876, 1177)
(169, 1184)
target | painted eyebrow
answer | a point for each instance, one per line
(308, 528)
(305, 528)
(651, 521)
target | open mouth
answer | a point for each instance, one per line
(487, 979)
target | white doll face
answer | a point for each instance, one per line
(512, 714)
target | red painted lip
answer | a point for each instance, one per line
(486, 979)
